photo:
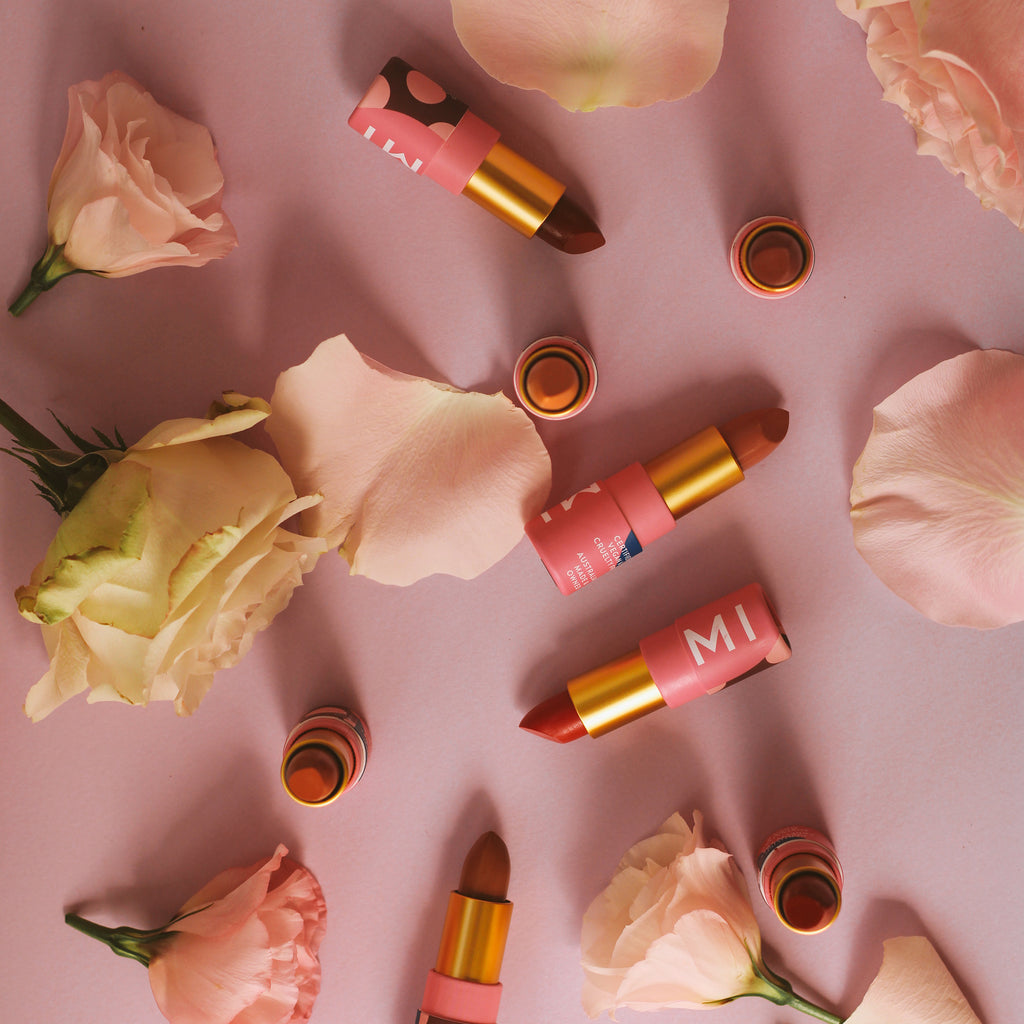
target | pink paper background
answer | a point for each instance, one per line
(898, 736)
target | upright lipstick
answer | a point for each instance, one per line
(702, 652)
(463, 987)
(414, 120)
(609, 522)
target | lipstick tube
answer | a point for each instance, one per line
(613, 520)
(414, 120)
(702, 652)
(463, 987)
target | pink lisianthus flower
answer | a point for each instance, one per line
(135, 186)
(675, 928)
(243, 950)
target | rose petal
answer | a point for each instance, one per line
(913, 987)
(589, 54)
(417, 477)
(938, 492)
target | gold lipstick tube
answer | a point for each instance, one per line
(694, 471)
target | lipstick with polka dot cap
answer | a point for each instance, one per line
(414, 120)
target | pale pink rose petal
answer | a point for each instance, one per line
(684, 967)
(589, 54)
(913, 987)
(417, 477)
(201, 981)
(954, 68)
(938, 493)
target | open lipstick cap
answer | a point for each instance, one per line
(324, 755)
(555, 378)
(801, 879)
(771, 257)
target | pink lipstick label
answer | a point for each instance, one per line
(599, 528)
(714, 646)
(415, 121)
(582, 538)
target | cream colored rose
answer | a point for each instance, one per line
(167, 567)
(674, 928)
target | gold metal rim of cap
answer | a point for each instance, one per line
(779, 888)
(343, 779)
(794, 232)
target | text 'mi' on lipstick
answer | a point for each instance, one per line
(463, 987)
(609, 522)
(702, 652)
(414, 120)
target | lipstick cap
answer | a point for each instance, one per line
(324, 755)
(800, 878)
(555, 378)
(771, 257)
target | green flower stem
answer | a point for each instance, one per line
(128, 942)
(45, 274)
(770, 986)
(23, 431)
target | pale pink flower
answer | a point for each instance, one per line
(913, 987)
(135, 186)
(673, 929)
(937, 500)
(588, 54)
(417, 477)
(243, 950)
(954, 69)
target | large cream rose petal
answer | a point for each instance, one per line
(913, 987)
(167, 567)
(674, 928)
(937, 501)
(417, 477)
(954, 69)
(587, 54)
